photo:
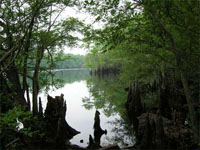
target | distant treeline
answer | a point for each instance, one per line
(72, 61)
(67, 61)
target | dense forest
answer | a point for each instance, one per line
(66, 61)
(154, 45)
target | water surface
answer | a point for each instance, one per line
(84, 95)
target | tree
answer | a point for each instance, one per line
(178, 21)
(30, 29)
(158, 38)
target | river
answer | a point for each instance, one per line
(84, 94)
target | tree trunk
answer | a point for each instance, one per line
(35, 91)
(184, 80)
(12, 72)
(40, 53)
(192, 114)
(25, 85)
(13, 77)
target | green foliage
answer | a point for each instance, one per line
(157, 41)
(145, 39)
(13, 118)
(98, 59)
(107, 93)
(137, 36)
(9, 119)
(14, 123)
(67, 61)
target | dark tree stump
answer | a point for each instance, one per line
(57, 129)
(157, 132)
(98, 132)
(147, 136)
(133, 104)
(164, 106)
(91, 144)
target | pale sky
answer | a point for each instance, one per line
(86, 18)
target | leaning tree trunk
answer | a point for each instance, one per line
(12, 72)
(191, 108)
(13, 77)
(178, 57)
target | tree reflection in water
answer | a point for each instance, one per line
(123, 133)
(108, 94)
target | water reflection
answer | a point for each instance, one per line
(123, 132)
(84, 94)
(75, 75)
(106, 93)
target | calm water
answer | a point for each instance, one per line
(84, 95)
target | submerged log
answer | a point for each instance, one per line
(57, 129)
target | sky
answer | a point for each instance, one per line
(86, 18)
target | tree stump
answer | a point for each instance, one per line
(133, 104)
(157, 132)
(57, 129)
(98, 132)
